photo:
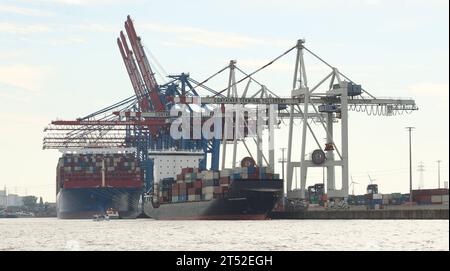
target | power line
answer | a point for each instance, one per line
(421, 169)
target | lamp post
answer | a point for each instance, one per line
(410, 164)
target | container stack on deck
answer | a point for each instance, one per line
(86, 170)
(195, 185)
(430, 196)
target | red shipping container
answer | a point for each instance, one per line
(224, 180)
(430, 192)
(123, 183)
(187, 170)
(217, 190)
(182, 191)
(253, 176)
(422, 198)
(191, 191)
(81, 184)
(198, 184)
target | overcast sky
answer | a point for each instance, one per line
(59, 59)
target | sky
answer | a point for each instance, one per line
(59, 60)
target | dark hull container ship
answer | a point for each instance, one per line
(90, 184)
(246, 192)
(245, 200)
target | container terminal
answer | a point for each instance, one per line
(141, 159)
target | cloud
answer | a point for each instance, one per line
(31, 78)
(87, 2)
(431, 89)
(24, 11)
(95, 27)
(23, 118)
(192, 36)
(12, 54)
(197, 36)
(67, 41)
(13, 28)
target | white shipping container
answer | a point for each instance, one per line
(226, 172)
(436, 199)
(208, 175)
(267, 170)
(445, 199)
(191, 197)
(208, 190)
(377, 196)
(199, 175)
(208, 196)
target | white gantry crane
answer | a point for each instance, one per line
(326, 109)
(342, 95)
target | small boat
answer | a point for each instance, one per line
(112, 213)
(100, 217)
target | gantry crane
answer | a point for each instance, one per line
(143, 120)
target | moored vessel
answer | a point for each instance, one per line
(246, 192)
(91, 183)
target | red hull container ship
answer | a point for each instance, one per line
(89, 184)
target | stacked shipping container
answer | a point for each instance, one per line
(195, 185)
(96, 170)
(430, 196)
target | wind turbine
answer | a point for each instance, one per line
(353, 185)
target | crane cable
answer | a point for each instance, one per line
(256, 71)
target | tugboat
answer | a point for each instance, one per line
(112, 213)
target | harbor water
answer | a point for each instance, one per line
(148, 234)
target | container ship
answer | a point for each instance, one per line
(89, 184)
(246, 192)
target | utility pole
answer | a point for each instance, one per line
(439, 173)
(421, 169)
(410, 163)
(282, 161)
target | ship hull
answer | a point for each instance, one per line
(83, 203)
(246, 200)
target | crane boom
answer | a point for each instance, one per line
(144, 66)
(135, 77)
